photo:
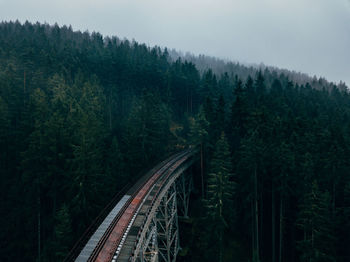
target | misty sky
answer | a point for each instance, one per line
(311, 36)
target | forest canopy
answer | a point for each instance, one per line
(82, 115)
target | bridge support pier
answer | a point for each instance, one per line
(149, 251)
(158, 237)
(167, 225)
(184, 187)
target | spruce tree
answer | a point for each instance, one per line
(239, 115)
(220, 191)
(315, 220)
(63, 233)
(219, 122)
(199, 137)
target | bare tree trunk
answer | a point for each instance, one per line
(220, 249)
(253, 228)
(281, 230)
(191, 102)
(24, 88)
(221, 217)
(261, 221)
(188, 99)
(273, 224)
(202, 171)
(256, 214)
(39, 225)
(110, 111)
(333, 197)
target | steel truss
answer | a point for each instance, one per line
(184, 187)
(167, 225)
(159, 237)
(149, 251)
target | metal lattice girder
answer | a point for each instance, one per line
(184, 187)
(163, 214)
(150, 246)
(168, 226)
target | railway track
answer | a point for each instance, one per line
(148, 211)
(109, 245)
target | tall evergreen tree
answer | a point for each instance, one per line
(63, 233)
(315, 221)
(239, 115)
(220, 191)
(219, 122)
(148, 130)
(199, 137)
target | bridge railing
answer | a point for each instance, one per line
(165, 183)
(160, 174)
(73, 254)
(143, 185)
(127, 189)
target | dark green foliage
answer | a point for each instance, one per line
(199, 127)
(283, 137)
(199, 137)
(82, 115)
(63, 233)
(218, 202)
(148, 131)
(220, 184)
(219, 122)
(116, 166)
(316, 223)
(209, 84)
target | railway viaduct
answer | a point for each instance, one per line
(143, 223)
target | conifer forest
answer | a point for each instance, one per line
(83, 115)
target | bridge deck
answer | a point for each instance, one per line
(116, 237)
(96, 237)
(128, 246)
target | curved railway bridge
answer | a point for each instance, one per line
(143, 224)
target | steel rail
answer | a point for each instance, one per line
(154, 174)
(74, 252)
(163, 181)
(83, 240)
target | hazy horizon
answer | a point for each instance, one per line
(311, 37)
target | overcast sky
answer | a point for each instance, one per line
(311, 36)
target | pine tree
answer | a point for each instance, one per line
(4, 126)
(35, 166)
(209, 84)
(219, 122)
(220, 191)
(250, 166)
(345, 228)
(316, 222)
(115, 167)
(63, 233)
(199, 137)
(239, 115)
(209, 110)
(220, 182)
(148, 131)
(260, 87)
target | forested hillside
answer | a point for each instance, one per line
(82, 115)
(278, 175)
(220, 66)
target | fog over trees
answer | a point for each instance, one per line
(82, 115)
